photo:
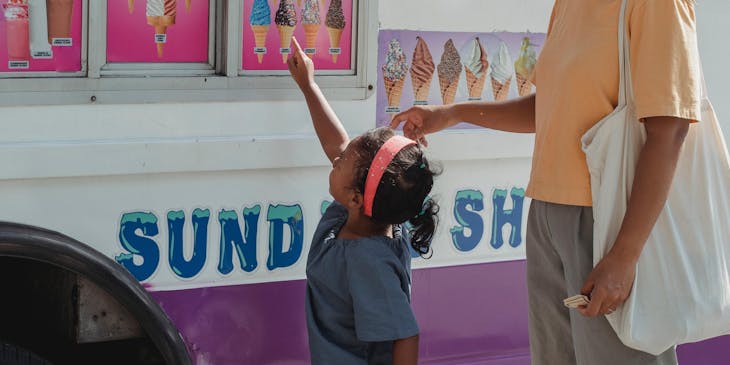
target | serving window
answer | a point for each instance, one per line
(128, 51)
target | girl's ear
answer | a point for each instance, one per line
(355, 201)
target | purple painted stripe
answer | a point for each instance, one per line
(473, 314)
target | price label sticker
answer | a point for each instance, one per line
(62, 42)
(18, 65)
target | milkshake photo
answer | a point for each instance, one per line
(17, 30)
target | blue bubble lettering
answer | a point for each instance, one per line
(278, 217)
(467, 203)
(513, 217)
(175, 222)
(323, 207)
(245, 243)
(139, 244)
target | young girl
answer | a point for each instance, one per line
(359, 265)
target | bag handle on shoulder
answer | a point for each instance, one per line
(626, 89)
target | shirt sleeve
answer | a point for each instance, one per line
(665, 62)
(378, 287)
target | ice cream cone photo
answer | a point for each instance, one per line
(311, 21)
(500, 89)
(161, 14)
(448, 91)
(285, 34)
(395, 70)
(449, 71)
(260, 21)
(502, 71)
(524, 66)
(475, 84)
(260, 32)
(335, 23)
(524, 85)
(476, 67)
(310, 35)
(130, 6)
(335, 38)
(422, 70)
(160, 28)
(286, 21)
(394, 90)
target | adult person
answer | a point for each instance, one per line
(577, 81)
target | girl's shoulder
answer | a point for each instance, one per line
(377, 248)
(332, 220)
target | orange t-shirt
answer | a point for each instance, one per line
(577, 82)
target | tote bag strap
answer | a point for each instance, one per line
(626, 88)
(703, 96)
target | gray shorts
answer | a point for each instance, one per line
(559, 259)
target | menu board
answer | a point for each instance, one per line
(322, 27)
(157, 31)
(422, 68)
(40, 35)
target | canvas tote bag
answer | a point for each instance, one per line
(682, 288)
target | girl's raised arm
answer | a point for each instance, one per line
(332, 135)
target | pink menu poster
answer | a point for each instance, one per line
(322, 27)
(40, 39)
(157, 31)
(434, 68)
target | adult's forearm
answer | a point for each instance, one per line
(514, 115)
(652, 182)
(332, 135)
(405, 351)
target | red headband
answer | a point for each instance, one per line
(382, 159)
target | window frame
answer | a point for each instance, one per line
(189, 82)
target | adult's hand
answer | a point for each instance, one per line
(419, 121)
(608, 285)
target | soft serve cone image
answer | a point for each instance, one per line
(260, 21)
(311, 22)
(422, 69)
(59, 14)
(286, 20)
(187, 5)
(524, 65)
(449, 70)
(161, 14)
(394, 73)
(502, 70)
(476, 66)
(335, 23)
(130, 6)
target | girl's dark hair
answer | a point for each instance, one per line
(402, 195)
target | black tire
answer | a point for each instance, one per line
(38, 244)
(15, 355)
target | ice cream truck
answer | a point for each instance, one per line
(161, 180)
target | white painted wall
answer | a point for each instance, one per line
(712, 27)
